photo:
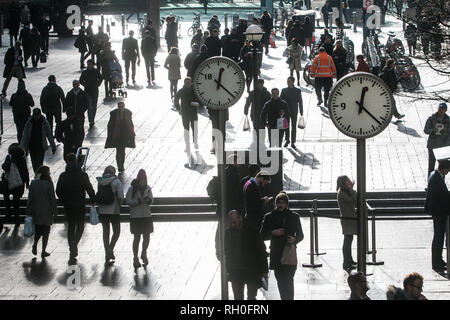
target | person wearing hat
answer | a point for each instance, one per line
(437, 204)
(52, 100)
(34, 139)
(282, 227)
(91, 80)
(149, 48)
(437, 128)
(323, 71)
(139, 197)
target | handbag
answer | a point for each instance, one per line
(290, 60)
(13, 177)
(301, 123)
(282, 123)
(246, 124)
(93, 216)
(289, 255)
(28, 228)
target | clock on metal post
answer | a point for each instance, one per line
(361, 106)
(219, 83)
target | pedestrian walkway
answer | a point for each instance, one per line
(396, 159)
(183, 264)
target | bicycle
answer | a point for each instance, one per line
(196, 24)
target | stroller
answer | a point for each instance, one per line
(116, 80)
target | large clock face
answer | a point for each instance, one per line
(361, 105)
(219, 82)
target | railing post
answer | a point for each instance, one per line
(355, 28)
(374, 261)
(123, 24)
(1, 119)
(330, 21)
(368, 251)
(318, 15)
(447, 241)
(311, 263)
(1, 29)
(225, 18)
(316, 230)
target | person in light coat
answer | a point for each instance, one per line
(173, 64)
(294, 51)
(41, 206)
(109, 214)
(346, 197)
(139, 197)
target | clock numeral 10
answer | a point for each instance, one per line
(208, 76)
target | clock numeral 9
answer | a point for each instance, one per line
(208, 76)
(343, 106)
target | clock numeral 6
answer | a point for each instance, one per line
(208, 76)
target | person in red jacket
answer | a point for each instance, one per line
(323, 70)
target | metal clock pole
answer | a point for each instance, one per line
(223, 208)
(361, 203)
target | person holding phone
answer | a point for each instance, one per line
(346, 197)
(282, 227)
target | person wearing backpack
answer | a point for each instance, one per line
(109, 197)
(15, 161)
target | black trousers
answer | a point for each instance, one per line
(238, 282)
(323, 82)
(292, 130)
(131, 62)
(431, 161)
(75, 228)
(20, 125)
(439, 224)
(347, 250)
(120, 158)
(53, 116)
(34, 59)
(83, 57)
(16, 193)
(37, 158)
(285, 279)
(280, 137)
(150, 67)
(45, 42)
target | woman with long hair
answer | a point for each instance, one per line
(340, 59)
(139, 197)
(346, 197)
(173, 64)
(41, 206)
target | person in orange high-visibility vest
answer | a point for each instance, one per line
(323, 70)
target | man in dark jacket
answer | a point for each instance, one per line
(225, 43)
(214, 44)
(437, 204)
(52, 100)
(44, 30)
(91, 79)
(21, 103)
(130, 52)
(274, 109)
(438, 129)
(245, 256)
(253, 170)
(34, 139)
(81, 43)
(293, 98)
(256, 110)
(71, 190)
(171, 33)
(267, 24)
(234, 44)
(191, 56)
(188, 111)
(24, 37)
(13, 66)
(326, 9)
(13, 23)
(149, 48)
(198, 60)
(76, 99)
(70, 132)
(253, 199)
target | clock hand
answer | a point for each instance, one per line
(220, 78)
(361, 102)
(370, 114)
(220, 85)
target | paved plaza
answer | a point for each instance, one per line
(182, 257)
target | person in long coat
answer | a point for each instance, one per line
(173, 64)
(149, 48)
(120, 133)
(346, 197)
(294, 51)
(13, 67)
(21, 103)
(81, 43)
(35, 46)
(340, 60)
(41, 206)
